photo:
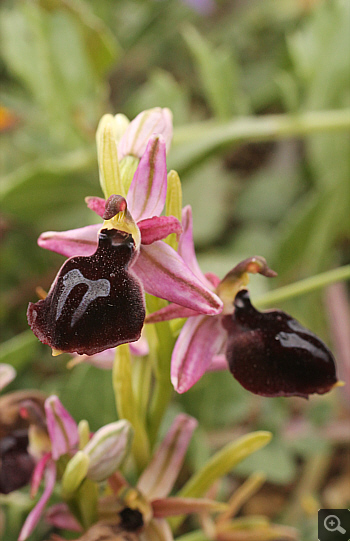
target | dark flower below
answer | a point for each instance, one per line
(272, 354)
(95, 302)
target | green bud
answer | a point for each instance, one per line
(108, 157)
(84, 433)
(75, 472)
(121, 122)
(173, 203)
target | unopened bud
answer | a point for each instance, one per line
(75, 472)
(107, 449)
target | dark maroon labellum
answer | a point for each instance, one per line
(272, 354)
(16, 464)
(95, 302)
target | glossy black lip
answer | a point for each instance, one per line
(95, 302)
(272, 354)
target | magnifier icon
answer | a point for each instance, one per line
(332, 524)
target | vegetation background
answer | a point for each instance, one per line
(260, 94)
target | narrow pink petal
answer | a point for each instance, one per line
(200, 339)
(160, 475)
(35, 514)
(186, 246)
(81, 241)
(59, 516)
(171, 311)
(158, 228)
(147, 192)
(63, 430)
(149, 122)
(164, 274)
(38, 474)
(157, 530)
(218, 363)
(97, 204)
(170, 507)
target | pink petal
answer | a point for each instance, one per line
(62, 428)
(158, 228)
(74, 242)
(186, 246)
(158, 478)
(97, 204)
(200, 339)
(147, 192)
(60, 517)
(164, 274)
(149, 122)
(35, 514)
(38, 474)
(172, 311)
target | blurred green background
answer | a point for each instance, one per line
(261, 99)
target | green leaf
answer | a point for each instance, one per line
(19, 350)
(276, 461)
(218, 74)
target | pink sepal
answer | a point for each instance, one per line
(63, 430)
(59, 516)
(38, 474)
(164, 274)
(200, 339)
(147, 192)
(35, 514)
(172, 311)
(158, 478)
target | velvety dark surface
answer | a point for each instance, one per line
(69, 321)
(272, 354)
(16, 465)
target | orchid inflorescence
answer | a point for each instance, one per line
(124, 279)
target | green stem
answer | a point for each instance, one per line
(127, 407)
(192, 142)
(163, 388)
(303, 286)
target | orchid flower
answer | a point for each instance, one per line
(139, 513)
(270, 353)
(100, 456)
(21, 422)
(130, 254)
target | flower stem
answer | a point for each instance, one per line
(127, 407)
(194, 141)
(303, 286)
(163, 388)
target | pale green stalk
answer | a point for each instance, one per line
(195, 140)
(163, 388)
(127, 407)
(302, 287)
